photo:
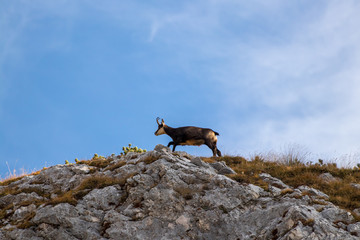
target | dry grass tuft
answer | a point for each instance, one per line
(295, 173)
(115, 166)
(185, 192)
(286, 191)
(88, 184)
(308, 222)
(150, 159)
(97, 162)
(66, 197)
(4, 211)
(208, 160)
(10, 180)
(25, 222)
(98, 182)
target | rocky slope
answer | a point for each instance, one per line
(163, 195)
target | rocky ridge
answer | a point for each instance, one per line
(164, 195)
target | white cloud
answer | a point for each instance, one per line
(312, 82)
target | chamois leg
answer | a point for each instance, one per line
(170, 143)
(212, 146)
(174, 145)
(218, 152)
(216, 149)
(214, 152)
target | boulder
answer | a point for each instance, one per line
(328, 178)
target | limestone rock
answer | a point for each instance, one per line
(273, 181)
(222, 168)
(164, 195)
(355, 185)
(327, 177)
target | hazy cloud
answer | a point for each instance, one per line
(309, 86)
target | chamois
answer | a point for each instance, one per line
(189, 136)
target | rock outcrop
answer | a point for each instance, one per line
(164, 195)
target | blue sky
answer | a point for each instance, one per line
(85, 77)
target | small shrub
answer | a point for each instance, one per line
(128, 149)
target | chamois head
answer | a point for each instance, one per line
(161, 125)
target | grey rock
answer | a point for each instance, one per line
(22, 234)
(357, 211)
(197, 161)
(21, 212)
(104, 199)
(222, 168)
(275, 191)
(337, 215)
(162, 148)
(57, 215)
(58, 176)
(19, 198)
(2, 236)
(81, 168)
(327, 177)
(166, 195)
(355, 185)
(354, 229)
(313, 192)
(183, 154)
(273, 181)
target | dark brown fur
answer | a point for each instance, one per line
(189, 136)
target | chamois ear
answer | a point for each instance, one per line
(162, 121)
